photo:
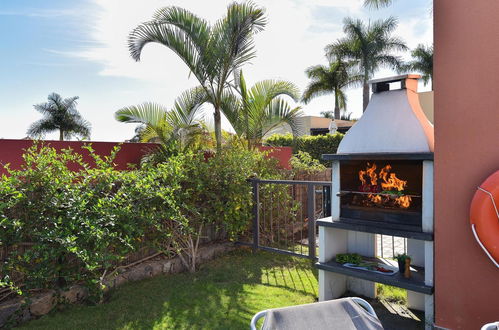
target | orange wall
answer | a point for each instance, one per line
(466, 152)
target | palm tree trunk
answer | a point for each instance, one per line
(218, 128)
(365, 91)
(61, 135)
(365, 96)
(337, 114)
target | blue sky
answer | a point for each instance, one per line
(78, 48)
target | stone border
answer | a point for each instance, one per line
(20, 309)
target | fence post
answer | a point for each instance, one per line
(256, 214)
(311, 220)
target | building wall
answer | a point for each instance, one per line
(426, 101)
(466, 152)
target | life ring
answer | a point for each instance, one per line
(484, 217)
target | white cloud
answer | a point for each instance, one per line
(294, 39)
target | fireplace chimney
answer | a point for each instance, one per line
(393, 121)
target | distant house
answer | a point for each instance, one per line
(315, 125)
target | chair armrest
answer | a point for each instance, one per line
(255, 319)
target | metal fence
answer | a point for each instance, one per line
(284, 214)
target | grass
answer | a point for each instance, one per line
(391, 293)
(224, 294)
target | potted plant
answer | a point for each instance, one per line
(401, 258)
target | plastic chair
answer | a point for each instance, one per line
(339, 313)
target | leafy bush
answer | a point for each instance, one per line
(302, 162)
(316, 146)
(78, 225)
(217, 189)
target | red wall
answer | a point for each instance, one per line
(283, 154)
(466, 152)
(11, 151)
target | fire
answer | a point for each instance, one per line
(388, 191)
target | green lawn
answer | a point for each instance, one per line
(224, 294)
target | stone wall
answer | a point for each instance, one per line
(21, 309)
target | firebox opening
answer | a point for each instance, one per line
(384, 191)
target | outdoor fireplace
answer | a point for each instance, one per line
(381, 159)
(382, 183)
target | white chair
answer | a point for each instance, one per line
(491, 326)
(345, 313)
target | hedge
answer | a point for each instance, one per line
(316, 146)
(81, 225)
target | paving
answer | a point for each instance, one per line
(390, 246)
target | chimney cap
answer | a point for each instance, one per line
(394, 79)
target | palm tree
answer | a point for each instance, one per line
(175, 129)
(257, 110)
(211, 52)
(331, 79)
(377, 3)
(344, 116)
(422, 62)
(369, 44)
(327, 114)
(60, 114)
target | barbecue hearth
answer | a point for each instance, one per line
(382, 183)
(382, 191)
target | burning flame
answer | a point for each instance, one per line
(389, 183)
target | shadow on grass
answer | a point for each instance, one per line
(224, 294)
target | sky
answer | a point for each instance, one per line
(79, 48)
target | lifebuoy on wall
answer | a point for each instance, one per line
(484, 217)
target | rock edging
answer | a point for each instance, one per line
(19, 309)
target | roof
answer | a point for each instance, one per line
(344, 123)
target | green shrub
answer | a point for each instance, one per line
(302, 162)
(217, 190)
(80, 224)
(316, 146)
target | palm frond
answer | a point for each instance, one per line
(280, 112)
(147, 113)
(212, 53)
(187, 107)
(330, 79)
(39, 128)
(60, 114)
(232, 108)
(422, 62)
(172, 37)
(376, 4)
(370, 45)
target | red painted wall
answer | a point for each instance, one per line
(283, 154)
(466, 152)
(11, 151)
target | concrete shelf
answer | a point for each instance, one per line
(415, 283)
(374, 227)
